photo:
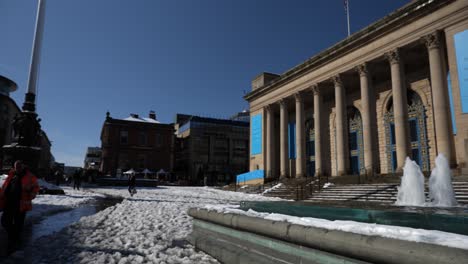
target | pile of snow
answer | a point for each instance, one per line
(395, 232)
(150, 227)
(2, 179)
(273, 188)
(45, 185)
(44, 205)
(42, 183)
(328, 184)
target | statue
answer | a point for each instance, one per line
(27, 129)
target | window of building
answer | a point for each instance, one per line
(142, 138)
(123, 137)
(141, 161)
(123, 161)
(158, 140)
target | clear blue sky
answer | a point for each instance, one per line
(172, 56)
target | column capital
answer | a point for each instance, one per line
(315, 89)
(393, 56)
(362, 70)
(298, 96)
(267, 108)
(282, 102)
(337, 80)
(432, 41)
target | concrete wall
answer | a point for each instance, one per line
(374, 249)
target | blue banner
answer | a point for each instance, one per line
(452, 109)
(292, 140)
(256, 135)
(250, 176)
(461, 52)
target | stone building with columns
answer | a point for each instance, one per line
(398, 88)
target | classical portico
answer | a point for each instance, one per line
(370, 101)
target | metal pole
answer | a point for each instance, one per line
(347, 14)
(29, 104)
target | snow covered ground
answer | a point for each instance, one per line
(44, 205)
(150, 227)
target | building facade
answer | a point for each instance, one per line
(396, 89)
(210, 151)
(92, 159)
(136, 143)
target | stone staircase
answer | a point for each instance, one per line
(380, 193)
(292, 189)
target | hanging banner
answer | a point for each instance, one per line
(461, 52)
(256, 135)
(292, 140)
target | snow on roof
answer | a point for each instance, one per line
(144, 119)
(150, 120)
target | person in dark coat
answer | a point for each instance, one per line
(16, 194)
(132, 184)
(58, 177)
(77, 179)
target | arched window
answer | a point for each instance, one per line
(355, 141)
(417, 132)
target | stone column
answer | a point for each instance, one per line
(269, 141)
(340, 126)
(400, 108)
(366, 114)
(300, 136)
(441, 106)
(284, 159)
(318, 130)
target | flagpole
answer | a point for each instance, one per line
(347, 14)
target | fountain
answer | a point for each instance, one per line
(440, 184)
(411, 190)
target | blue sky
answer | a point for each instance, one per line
(178, 56)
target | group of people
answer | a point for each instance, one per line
(16, 194)
(77, 175)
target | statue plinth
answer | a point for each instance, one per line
(26, 142)
(29, 155)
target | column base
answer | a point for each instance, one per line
(318, 174)
(370, 172)
(300, 176)
(341, 173)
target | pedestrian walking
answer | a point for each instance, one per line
(58, 177)
(77, 180)
(16, 194)
(132, 184)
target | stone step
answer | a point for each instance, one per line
(378, 197)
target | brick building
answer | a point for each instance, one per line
(211, 150)
(136, 143)
(92, 159)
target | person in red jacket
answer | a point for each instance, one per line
(16, 194)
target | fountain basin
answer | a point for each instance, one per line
(453, 220)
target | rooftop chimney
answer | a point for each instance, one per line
(152, 115)
(134, 115)
(263, 79)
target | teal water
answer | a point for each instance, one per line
(453, 220)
